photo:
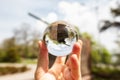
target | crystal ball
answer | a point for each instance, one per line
(59, 38)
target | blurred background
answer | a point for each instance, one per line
(22, 23)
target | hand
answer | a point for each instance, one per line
(60, 70)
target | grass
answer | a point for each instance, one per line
(29, 61)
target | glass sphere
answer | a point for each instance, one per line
(60, 38)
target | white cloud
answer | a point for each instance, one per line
(70, 8)
(15, 12)
(51, 17)
(113, 3)
(40, 26)
(86, 19)
(108, 39)
(79, 15)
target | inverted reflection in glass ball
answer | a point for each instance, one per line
(60, 38)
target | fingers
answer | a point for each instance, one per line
(77, 48)
(72, 70)
(67, 74)
(73, 61)
(42, 65)
(75, 67)
(43, 56)
(58, 66)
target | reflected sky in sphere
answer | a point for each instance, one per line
(60, 38)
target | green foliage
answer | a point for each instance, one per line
(11, 55)
(85, 35)
(9, 52)
(27, 38)
(100, 55)
(24, 44)
(12, 52)
(106, 57)
(96, 57)
(2, 55)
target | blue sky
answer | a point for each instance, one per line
(81, 13)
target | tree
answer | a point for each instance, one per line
(113, 24)
(27, 38)
(109, 23)
(9, 51)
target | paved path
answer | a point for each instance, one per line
(28, 75)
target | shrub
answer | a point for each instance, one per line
(12, 70)
(9, 55)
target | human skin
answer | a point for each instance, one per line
(60, 70)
